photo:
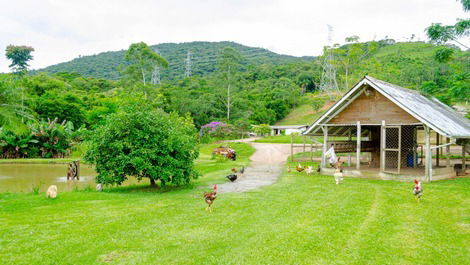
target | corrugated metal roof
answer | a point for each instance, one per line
(429, 111)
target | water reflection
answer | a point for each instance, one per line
(23, 177)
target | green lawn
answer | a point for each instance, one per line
(299, 220)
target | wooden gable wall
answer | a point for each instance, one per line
(372, 109)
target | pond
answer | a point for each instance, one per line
(23, 177)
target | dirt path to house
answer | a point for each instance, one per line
(267, 165)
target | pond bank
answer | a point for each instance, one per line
(39, 160)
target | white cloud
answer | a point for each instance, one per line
(60, 30)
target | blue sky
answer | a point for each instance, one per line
(61, 30)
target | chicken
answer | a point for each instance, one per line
(319, 169)
(338, 176)
(418, 190)
(299, 168)
(338, 172)
(242, 171)
(234, 170)
(209, 198)
(289, 170)
(232, 177)
(309, 170)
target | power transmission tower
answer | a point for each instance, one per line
(156, 72)
(187, 72)
(328, 81)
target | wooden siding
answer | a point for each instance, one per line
(372, 109)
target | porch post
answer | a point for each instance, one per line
(437, 149)
(428, 154)
(447, 152)
(349, 139)
(464, 168)
(291, 147)
(415, 146)
(382, 147)
(325, 144)
(304, 144)
(358, 146)
(311, 149)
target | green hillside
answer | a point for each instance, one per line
(310, 108)
(203, 60)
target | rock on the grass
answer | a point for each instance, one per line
(51, 192)
(99, 187)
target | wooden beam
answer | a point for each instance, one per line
(358, 146)
(349, 139)
(304, 144)
(415, 146)
(447, 152)
(382, 147)
(438, 149)
(325, 142)
(428, 155)
(464, 168)
(291, 147)
(311, 149)
(399, 150)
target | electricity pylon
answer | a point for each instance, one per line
(187, 72)
(328, 81)
(156, 72)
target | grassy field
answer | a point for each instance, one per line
(299, 220)
(311, 107)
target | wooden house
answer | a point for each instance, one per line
(391, 132)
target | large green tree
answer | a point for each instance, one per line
(12, 111)
(228, 66)
(11, 107)
(141, 61)
(19, 56)
(442, 34)
(144, 143)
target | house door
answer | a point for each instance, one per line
(390, 157)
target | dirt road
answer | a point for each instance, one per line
(267, 164)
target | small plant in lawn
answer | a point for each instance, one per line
(37, 187)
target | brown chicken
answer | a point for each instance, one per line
(299, 168)
(209, 198)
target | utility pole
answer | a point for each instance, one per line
(328, 81)
(156, 72)
(187, 72)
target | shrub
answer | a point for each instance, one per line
(13, 145)
(218, 130)
(46, 139)
(262, 129)
(144, 143)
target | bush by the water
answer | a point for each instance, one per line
(144, 143)
(45, 139)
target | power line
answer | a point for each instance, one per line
(187, 72)
(156, 72)
(328, 81)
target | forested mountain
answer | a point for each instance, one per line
(203, 60)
